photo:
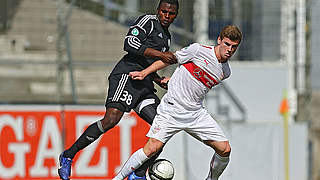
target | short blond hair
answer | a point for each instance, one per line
(231, 32)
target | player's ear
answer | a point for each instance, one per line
(219, 40)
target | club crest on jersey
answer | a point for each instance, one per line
(155, 129)
(135, 32)
(198, 73)
(160, 35)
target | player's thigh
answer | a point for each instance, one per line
(218, 146)
(163, 128)
(147, 108)
(205, 128)
(223, 148)
(124, 93)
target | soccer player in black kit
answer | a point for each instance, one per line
(147, 40)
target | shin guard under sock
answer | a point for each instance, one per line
(217, 165)
(142, 170)
(92, 133)
(134, 162)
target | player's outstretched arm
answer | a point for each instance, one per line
(166, 57)
(140, 75)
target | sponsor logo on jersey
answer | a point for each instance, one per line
(198, 72)
(160, 35)
(135, 32)
(201, 75)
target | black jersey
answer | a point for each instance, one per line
(146, 32)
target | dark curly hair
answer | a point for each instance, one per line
(173, 2)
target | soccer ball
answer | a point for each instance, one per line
(161, 169)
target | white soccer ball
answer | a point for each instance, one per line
(161, 169)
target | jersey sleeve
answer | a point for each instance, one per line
(137, 34)
(187, 53)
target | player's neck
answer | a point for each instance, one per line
(218, 55)
(216, 51)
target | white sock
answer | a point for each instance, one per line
(134, 162)
(217, 166)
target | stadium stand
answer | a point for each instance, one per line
(28, 54)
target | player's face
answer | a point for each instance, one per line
(167, 13)
(227, 48)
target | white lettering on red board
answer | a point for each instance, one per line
(50, 133)
(18, 149)
(82, 165)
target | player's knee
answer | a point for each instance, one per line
(222, 148)
(152, 147)
(226, 150)
(111, 118)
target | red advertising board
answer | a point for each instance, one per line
(31, 141)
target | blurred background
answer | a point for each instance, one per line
(57, 54)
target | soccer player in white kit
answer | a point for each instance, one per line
(200, 68)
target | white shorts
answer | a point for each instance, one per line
(198, 124)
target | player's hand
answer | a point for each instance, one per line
(169, 58)
(137, 75)
(162, 82)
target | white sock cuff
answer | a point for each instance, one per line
(221, 158)
(141, 155)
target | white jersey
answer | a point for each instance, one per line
(186, 90)
(181, 107)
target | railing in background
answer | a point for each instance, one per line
(224, 104)
(7, 11)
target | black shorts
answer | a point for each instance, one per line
(125, 94)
